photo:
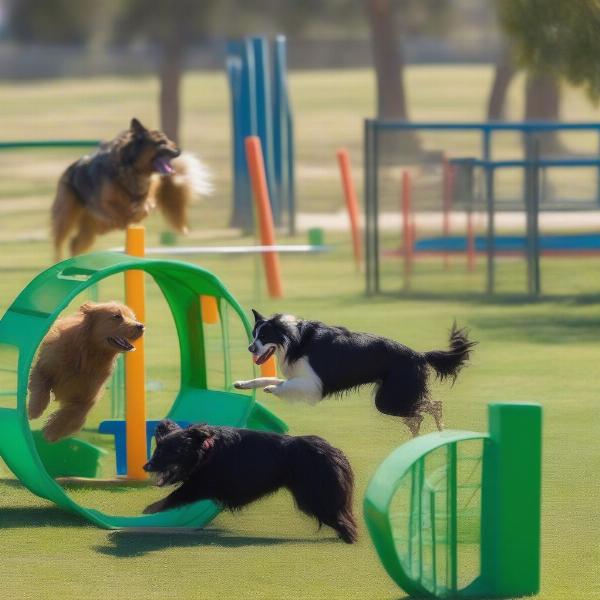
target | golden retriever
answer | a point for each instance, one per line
(76, 358)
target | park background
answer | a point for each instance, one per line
(83, 69)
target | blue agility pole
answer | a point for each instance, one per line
(264, 117)
(283, 152)
(260, 106)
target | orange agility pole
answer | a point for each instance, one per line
(408, 228)
(210, 310)
(351, 203)
(256, 166)
(269, 368)
(135, 382)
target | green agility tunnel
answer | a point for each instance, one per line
(456, 514)
(31, 315)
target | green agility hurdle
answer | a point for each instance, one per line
(33, 312)
(430, 538)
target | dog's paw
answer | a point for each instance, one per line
(270, 389)
(240, 385)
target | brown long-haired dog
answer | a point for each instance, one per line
(121, 183)
(75, 359)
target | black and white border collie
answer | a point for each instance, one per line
(319, 360)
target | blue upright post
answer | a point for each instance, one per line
(264, 116)
(241, 215)
(282, 133)
(240, 72)
(291, 192)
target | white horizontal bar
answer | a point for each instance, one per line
(175, 250)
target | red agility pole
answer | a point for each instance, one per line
(351, 203)
(408, 228)
(470, 242)
(448, 184)
(256, 166)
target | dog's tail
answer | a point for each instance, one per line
(175, 192)
(448, 363)
(192, 172)
(323, 484)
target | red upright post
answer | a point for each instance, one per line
(470, 241)
(448, 185)
(407, 228)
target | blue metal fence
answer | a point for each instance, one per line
(532, 165)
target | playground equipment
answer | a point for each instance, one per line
(448, 522)
(260, 106)
(471, 245)
(35, 309)
(533, 167)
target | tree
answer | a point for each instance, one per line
(388, 61)
(172, 25)
(503, 75)
(556, 38)
(52, 21)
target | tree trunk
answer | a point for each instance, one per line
(503, 75)
(170, 82)
(542, 103)
(388, 61)
(542, 98)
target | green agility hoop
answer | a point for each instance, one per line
(426, 541)
(30, 317)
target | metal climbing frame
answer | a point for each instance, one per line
(532, 166)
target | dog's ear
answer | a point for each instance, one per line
(257, 316)
(88, 308)
(199, 431)
(137, 127)
(164, 428)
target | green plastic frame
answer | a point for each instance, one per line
(510, 506)
(29, 318)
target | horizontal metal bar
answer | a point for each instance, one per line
(544, 162)
(480, 126)
(13, 145)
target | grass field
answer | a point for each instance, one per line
(544, 352)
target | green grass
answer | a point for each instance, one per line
(544, 352)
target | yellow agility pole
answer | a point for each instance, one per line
(135, 377)
(210, 310)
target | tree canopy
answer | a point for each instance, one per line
(53, 21)
(557, 37)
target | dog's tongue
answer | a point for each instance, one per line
(123, 343)
(162, 166)
(259, 359)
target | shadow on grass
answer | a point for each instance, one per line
(501, 299)
(128, 544)
(541, 329)
(15, 517)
